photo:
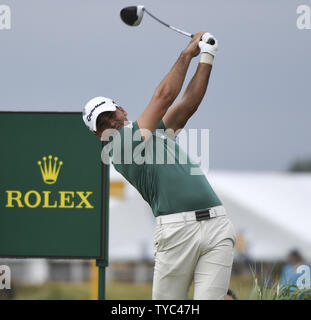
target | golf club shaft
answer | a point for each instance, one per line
(167, 25)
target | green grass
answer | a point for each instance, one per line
(265, 289)
(114, 291)
(77, 291)
(51, 291)
(242, 286)
(123, 291)
(246, 287)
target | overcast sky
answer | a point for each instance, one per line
(59, 54)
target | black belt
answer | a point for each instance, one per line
(203, 214)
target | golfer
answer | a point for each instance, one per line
(193, 238)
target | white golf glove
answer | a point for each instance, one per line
(208, 44)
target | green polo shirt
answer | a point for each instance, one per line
(153, 168)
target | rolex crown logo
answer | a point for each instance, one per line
(50, 169)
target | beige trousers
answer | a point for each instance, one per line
(198, 251)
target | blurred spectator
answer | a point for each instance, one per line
(289, 273)
(242, 259)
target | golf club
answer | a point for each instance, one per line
(134, 14)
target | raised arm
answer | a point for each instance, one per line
(169, 88)
(178, 115)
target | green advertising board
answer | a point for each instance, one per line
(52, 187)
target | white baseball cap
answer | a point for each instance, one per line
(94, 108)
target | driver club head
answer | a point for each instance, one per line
(133, 15)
